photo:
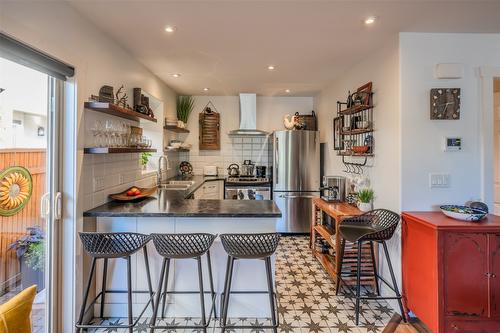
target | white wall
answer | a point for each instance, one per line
(270, 113)
(56, 28)
(422, 138)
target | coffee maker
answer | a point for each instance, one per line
(333, 189)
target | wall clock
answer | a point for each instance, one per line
(445, 103)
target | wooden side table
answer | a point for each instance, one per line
(338, 211)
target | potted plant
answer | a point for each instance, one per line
(184, 107)
(365, 199)
(145, 159)
(30, 250)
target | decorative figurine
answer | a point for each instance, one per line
(106, 95)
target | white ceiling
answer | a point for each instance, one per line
(227, 45)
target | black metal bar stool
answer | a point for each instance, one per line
(249, 246)
(375, 226)
(100, 245)
(183, 246)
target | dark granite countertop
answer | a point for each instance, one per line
(175, 204)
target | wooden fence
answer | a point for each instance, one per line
(12, 227)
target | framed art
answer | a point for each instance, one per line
(338, 123)
(364, 92)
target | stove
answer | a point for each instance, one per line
(247, 180)
(248, 188)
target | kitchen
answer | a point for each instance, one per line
(174, 137)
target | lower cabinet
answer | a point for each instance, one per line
(451, 269)
(210, 190)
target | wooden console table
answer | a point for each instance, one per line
(319, 228)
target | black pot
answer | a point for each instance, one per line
(29, 276)
(261, 171)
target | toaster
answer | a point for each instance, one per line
(210, 170)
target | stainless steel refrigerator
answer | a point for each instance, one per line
(296, 178)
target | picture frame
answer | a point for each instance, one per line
(365, 91)
(338, 124)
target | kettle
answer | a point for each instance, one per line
(233, 170)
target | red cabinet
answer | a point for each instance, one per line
(451, 269)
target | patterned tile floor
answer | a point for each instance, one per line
(306, 300)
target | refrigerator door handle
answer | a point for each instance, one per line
(298, 196)
(276, 158)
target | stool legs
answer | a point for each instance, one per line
(148, 273)
(339, 270)
(103, 287)
(202, 295)
(129, 294)
(212, 290)
(158, 295)
(227, 288)
(358, 281)
(271, 292)
(86, 296)
(374, 263)
(394, 283)
(165, 288)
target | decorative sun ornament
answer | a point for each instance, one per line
(15, 190)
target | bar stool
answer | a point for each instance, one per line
(249, 246)
(100, 245)
(374, 226)
(183, 246)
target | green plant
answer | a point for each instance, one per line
(366, 195)
(184, 107)
(145, 158)
(35, 256)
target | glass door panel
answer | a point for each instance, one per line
(28, 187)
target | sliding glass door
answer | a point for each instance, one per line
(30, 201)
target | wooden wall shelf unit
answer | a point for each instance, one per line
(337, 211)
(451, 272)
(117, 111)
(177, 149)
(175, 129)
(117, 150)
(354, 109)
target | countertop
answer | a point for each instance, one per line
(168, 203)
(437, 220)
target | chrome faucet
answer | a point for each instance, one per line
(159, 178)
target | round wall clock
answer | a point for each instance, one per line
(15, 190)
(445, 103)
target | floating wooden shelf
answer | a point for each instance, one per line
(117, 150)
(117, 111)
(355, 109)
(348, 153)
(177, 149)
(357, 131)
(325, 234)
(175, 129)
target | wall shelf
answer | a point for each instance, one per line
(355, 109)
(117, 150)
(175, 129)
(117, 111)
(177, 149)
(357, 131)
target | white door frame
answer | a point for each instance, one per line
(487, 74)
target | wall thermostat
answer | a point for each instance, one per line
(452, 144)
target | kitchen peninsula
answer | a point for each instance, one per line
(171, 211)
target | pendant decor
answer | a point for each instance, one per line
(209, 128)
(16, 186)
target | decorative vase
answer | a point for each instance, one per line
(365, 206)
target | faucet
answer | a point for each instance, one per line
(159, 178)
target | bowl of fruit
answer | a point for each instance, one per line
(133, 193)
(463, 213)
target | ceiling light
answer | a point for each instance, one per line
(370, 20)
(169, 28)
(176, 75)
(271, 67)
(287, 91)
(206, 89)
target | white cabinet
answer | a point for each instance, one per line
(210, 190)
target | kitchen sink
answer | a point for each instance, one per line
(181, 182)
(177, 185)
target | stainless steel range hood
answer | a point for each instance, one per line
(248, 117)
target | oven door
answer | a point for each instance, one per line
(248, 193)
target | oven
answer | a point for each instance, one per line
(247, 192)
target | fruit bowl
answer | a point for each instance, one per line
(133, 193)
(463, 213)
(360, 149)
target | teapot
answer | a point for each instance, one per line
(233, 170)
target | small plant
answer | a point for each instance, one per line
(184, 107)
(145, 158)
(31, 247)
(366, 195)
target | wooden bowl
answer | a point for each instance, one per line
(360, 149)
(122, 196)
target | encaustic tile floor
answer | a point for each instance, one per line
(306, 297)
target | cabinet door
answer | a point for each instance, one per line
(465, 279)
(494, 240)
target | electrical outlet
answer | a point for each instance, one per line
(439, 180)
(98, 183)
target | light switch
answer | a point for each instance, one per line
(439, 180)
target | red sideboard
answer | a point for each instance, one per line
(451, 272)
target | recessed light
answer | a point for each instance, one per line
(206, 89)
(169, 28)
(287, 91)
(370, 20)
(271, 67)
(176, 75)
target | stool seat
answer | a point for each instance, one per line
(182, 246)
(376, 225)
(250, 246)
(112, 245)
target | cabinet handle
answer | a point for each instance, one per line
(490, 275)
